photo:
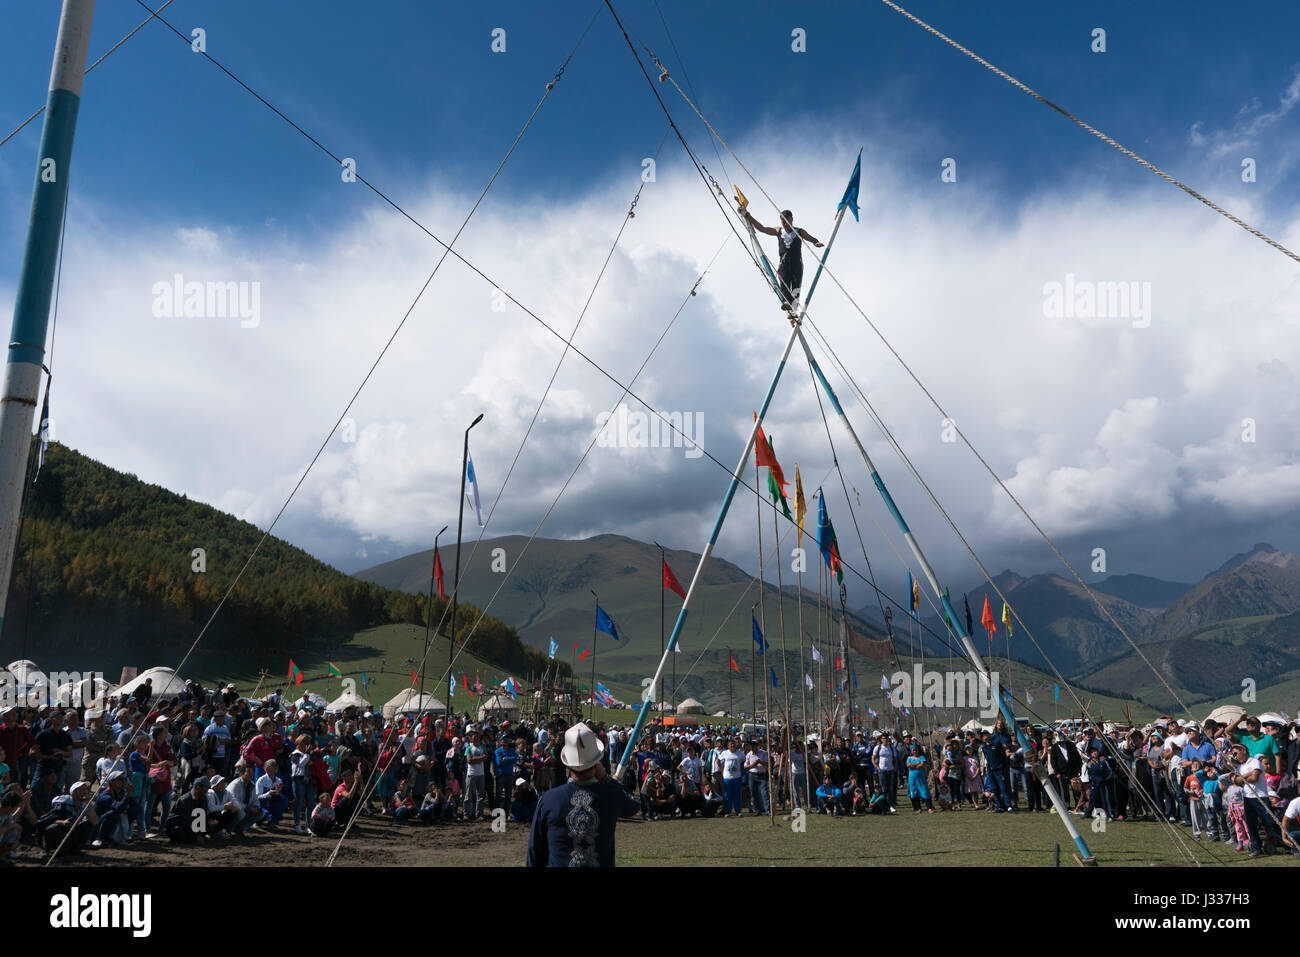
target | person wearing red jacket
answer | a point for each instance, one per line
(320, 773)
(262, 747)
(17, 741)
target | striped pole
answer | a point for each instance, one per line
(22, 379)
(974, 655)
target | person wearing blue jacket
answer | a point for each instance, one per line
(116, 807)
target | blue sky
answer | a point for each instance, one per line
(413, 90)
(1108, 435)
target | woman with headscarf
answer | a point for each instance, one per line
(918, 785)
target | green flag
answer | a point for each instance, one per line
(334, 670)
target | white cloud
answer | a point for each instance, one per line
(1097, 425)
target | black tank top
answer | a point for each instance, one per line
(790, 247)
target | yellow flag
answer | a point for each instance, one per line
(1006, 618)
(800, 506)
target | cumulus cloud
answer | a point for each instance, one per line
(1103, 427)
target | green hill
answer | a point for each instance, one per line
(107, 575)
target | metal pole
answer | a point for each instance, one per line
(460, 522)
(762, 624)
(753, 670)
(22, 379)
(1003, 704)
(785, 669)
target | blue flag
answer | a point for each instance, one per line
(851, 194)
(363, 679)
(758, 637)
(605, 623)
(554, 646)
(1057, 692)
(855, 678)
(775, 683)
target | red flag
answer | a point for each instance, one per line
(464, 680)
(734, 666)
(987, 620)
(582, 654)
(437, 572)
(766, 457)
(671, 582)
(838, 664)
(295, 673)
(414, 679)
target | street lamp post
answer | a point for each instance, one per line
(460, 522)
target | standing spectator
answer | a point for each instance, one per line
(217, 738)
(756, 767)
(99, 738)
(76, 753)
(732, 763)
(1259, 815)
(475, 766)
(17, 740)
(884, 758)
(506, 757)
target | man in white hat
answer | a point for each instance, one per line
(574, 824)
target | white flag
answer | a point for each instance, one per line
(884, 683)
(816, 656)
(473, 486)
(808, 681)
(1029, 697)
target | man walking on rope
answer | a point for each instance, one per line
(789, 241)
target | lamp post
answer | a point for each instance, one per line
(460, 523)
(428, 612)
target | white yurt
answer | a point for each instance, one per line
(83, 692)
(974, 725)
(313, 699)
(691, 706)
(410, 701)
(348, 699)
(26, 673)
(165, 682)
(499, 707)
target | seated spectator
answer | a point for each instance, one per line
(879, 804)
(14, 808)
(437, 806)
(402, 805)
(712, 800)
(67, 820)
(117, 807)
(690, 800)
(188, 821)
(828, 799)
(322, 816)
(270, 790)
(222, 812)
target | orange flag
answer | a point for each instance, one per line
(987, 619)
(767, 458)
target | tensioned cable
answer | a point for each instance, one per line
(375, 364)
(1105, 611)
(510, 571)
(1094, 131)
(92, 66)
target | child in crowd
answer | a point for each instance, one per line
(1235, 802)
(322, 816)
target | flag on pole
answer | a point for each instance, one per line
(1006, 618)
(734, 666)
(838, 664)
(605, 623)
(437, 573)
(873, 712)
(855, 676)
(1029, 697)
(913, 595)
(816, 654)
(986, 619)
(451, 685)
(554, 647)
(43, 430)
(581, 653)
(512, 689)
(671, 582)
(478, 684)
(800, 506)
(775, 683)
(970, 629)
(363, 679)
(758, 637)
(851, 193)
(295, 673)
(414, 678)
(1056, 692)
(807, 680)
(777, 496)
(766, 458)
(884, 683)
(826, 543)
(333, 669)
(472, 479)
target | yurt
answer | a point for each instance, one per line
(410, 701)
(499, 707)
(165, 682)
(83, 692)
(313, 699)
(348, 699)
(691, 706)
